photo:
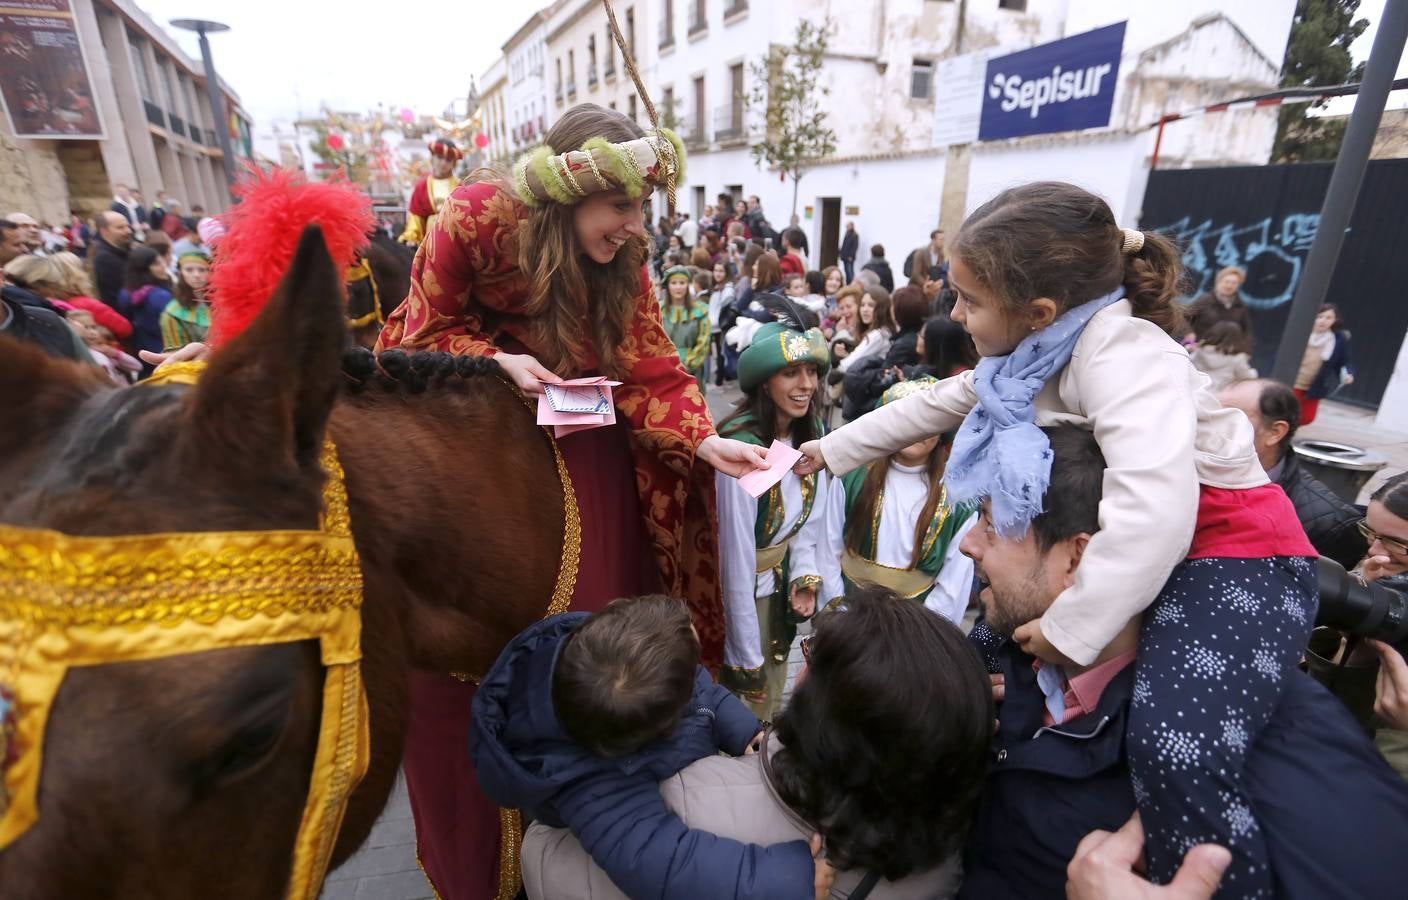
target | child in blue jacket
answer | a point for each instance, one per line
(583, 715)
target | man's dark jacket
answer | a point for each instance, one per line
(1331, 524)
(109, 269)
(1333, 813)
(849, 245)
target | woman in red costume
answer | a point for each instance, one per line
(545, 270)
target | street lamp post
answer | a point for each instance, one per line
(204, 27)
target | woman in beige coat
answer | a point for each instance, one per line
(892, 713)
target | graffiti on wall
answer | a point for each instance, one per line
(1270, 250)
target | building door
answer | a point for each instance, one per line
(698, 211)
(830, 230)
(736, 192)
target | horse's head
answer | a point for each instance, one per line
(149, 764)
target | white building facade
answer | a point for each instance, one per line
(893, 174)
(527, 113)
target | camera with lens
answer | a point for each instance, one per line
(1365, 610)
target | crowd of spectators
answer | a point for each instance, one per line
(106, 289)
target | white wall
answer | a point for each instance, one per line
(1393, 408)
(1108, 164)
(898, 198)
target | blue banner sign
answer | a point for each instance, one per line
(1065, 85)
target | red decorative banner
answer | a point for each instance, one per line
(44, 79)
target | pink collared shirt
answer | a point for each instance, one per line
(1082, 693)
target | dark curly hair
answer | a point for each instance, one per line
(884, 745)
(1055, 240)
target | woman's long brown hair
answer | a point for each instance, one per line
(861, 516)
(579, 308)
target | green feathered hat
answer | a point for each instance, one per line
(901, 389)
(776, 346)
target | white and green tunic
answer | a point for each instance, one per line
(943, 580)
(765, 546)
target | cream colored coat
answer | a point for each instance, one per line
(1162, 433)
(727, 796)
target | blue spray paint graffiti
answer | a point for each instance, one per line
(1271, 252)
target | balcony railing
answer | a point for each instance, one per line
(610, 68)
(195, 135)
(667, 33)
(542, 123)
(178, 125)
(571, 88)
(737, 7)
(692, 133)
(728, 122)
(591, 77)
(210, 140)
(557, 94)
(698, 19)
(155, 114)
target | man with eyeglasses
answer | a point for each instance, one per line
(1059, 769)
(1329, 522)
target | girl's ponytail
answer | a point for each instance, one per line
(1153, 278)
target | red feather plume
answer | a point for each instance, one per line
(262, 232)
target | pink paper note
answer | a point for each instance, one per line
(781, 458)
(565, 423)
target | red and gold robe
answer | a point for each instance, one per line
(466, 297)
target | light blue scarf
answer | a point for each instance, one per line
(1000, 453)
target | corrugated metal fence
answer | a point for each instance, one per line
(1263, 219)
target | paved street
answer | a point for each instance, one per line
(385, 868)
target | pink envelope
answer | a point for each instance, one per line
(565, 423)
(781, 458)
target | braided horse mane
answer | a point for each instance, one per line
(399, 372)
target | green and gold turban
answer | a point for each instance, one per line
(775, 347)
(684, 272)
(655, 160)
(901, 389)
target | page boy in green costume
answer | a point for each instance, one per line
(771, 569)
(686, 320)
(890, 524)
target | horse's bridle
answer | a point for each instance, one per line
(359, 271)
(69, 601)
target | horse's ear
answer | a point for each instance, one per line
(39, 393)
(267, 395)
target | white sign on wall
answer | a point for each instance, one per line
(958, 97)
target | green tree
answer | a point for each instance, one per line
(1317, 55)
(787, 88)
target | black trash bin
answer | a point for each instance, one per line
(1344, 469)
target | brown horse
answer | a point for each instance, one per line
(186, 776)
(371, 300)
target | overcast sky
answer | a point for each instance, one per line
(286, 57)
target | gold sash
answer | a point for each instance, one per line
(770, 558)
(908, 583)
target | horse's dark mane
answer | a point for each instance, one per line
(412, 373)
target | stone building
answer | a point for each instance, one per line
(158, 130)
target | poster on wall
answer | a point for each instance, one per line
(1066, 85)
(44, 80)
(958, 95)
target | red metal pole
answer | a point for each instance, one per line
(1159, 140)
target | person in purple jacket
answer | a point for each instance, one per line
(580, 719)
